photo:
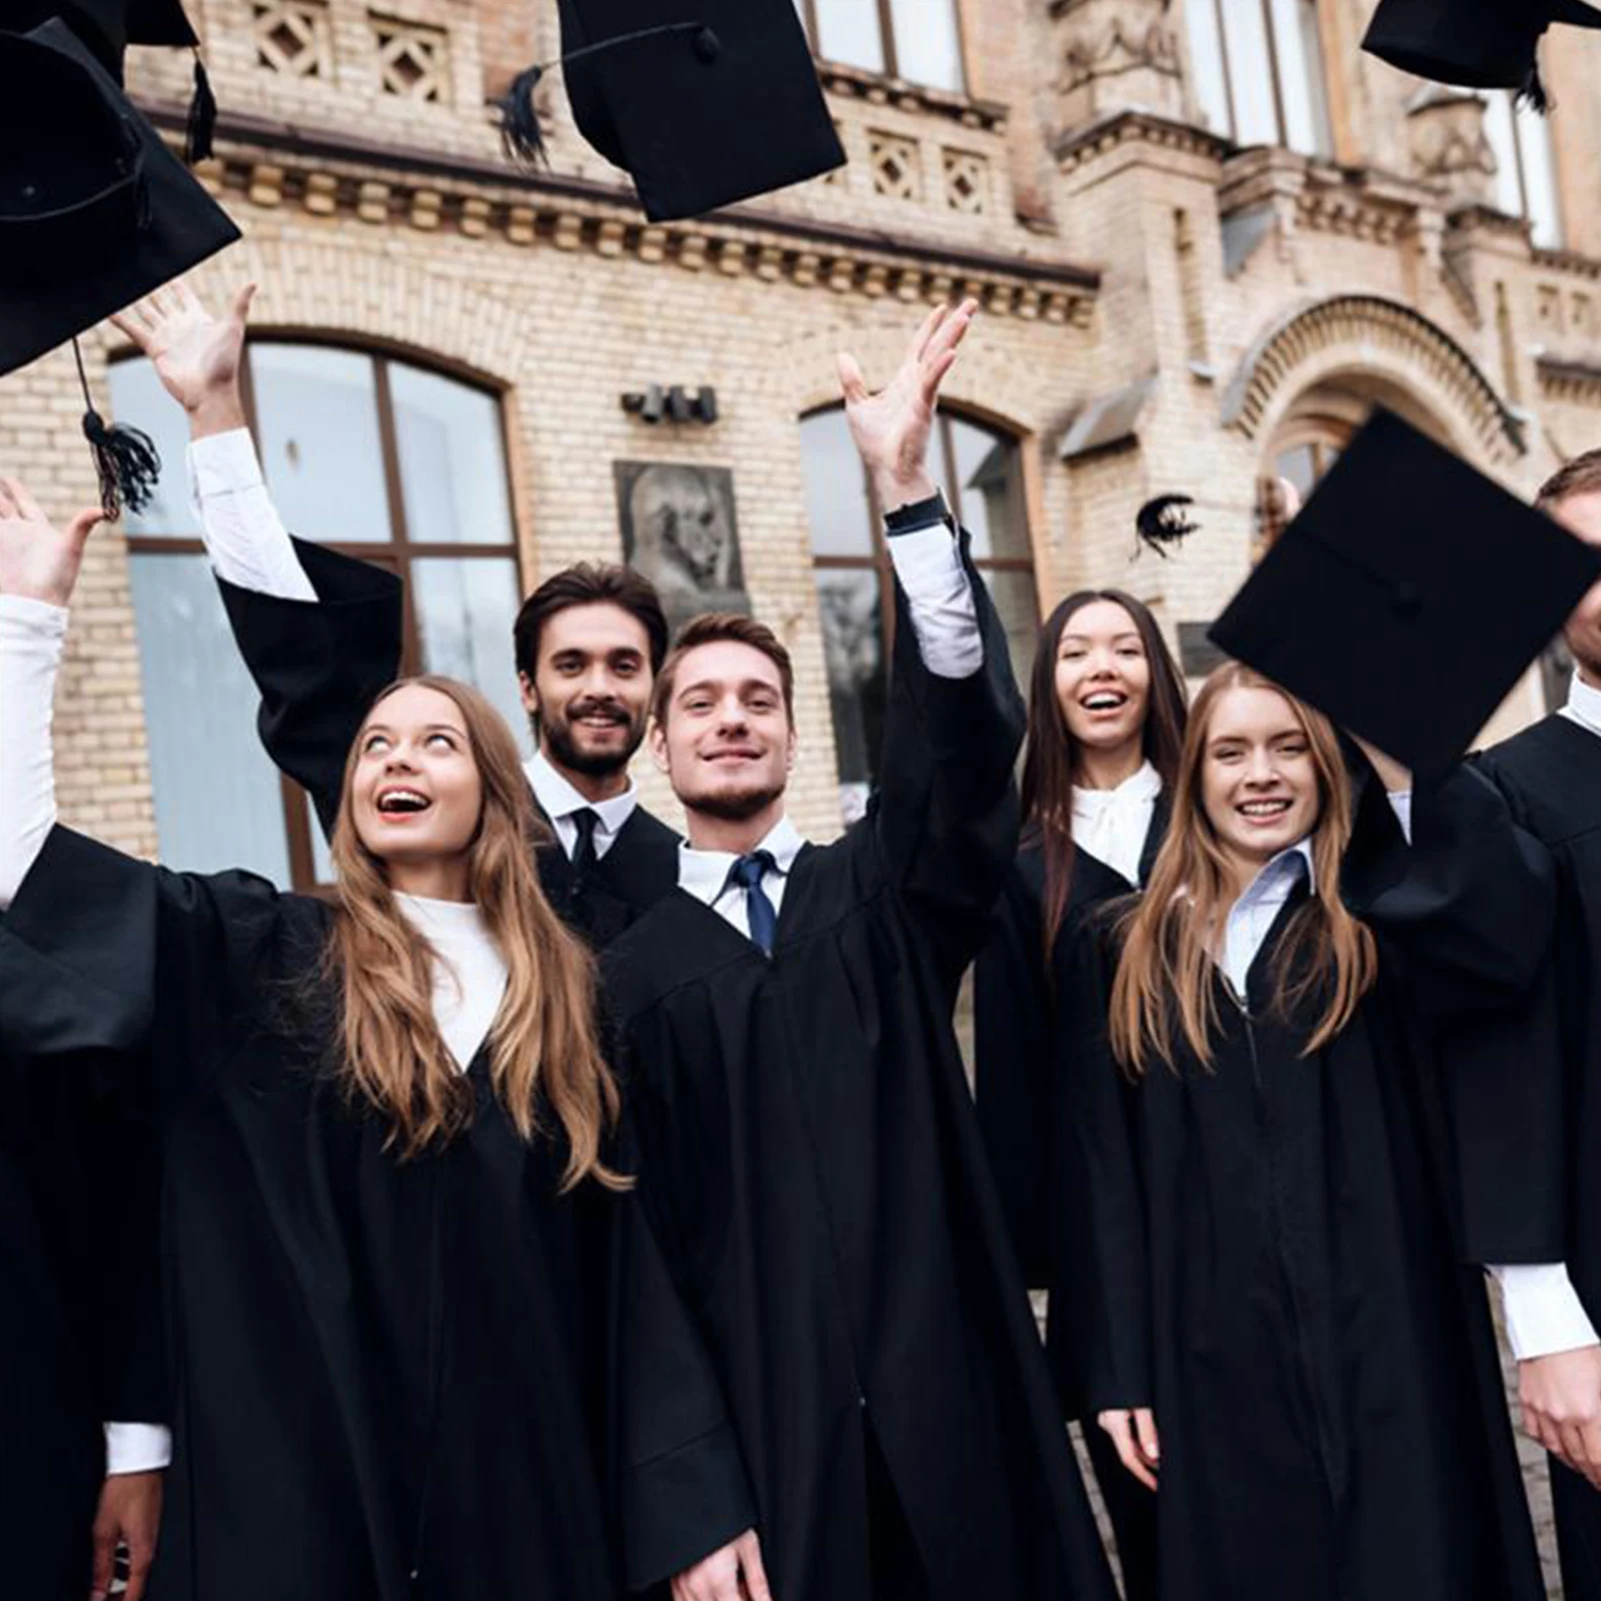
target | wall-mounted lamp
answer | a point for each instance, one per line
(658, 403)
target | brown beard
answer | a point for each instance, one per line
(738, 806)
(564, 751)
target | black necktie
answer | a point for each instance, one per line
(585, 820)
(748, 873)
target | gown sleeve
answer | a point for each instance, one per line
(1012, 1069)
(1103, 1255)
(319, 665)
(946, 816)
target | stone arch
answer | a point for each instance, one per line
(1383, 350)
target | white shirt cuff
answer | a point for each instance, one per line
(944, 615)
(1401, 805)
(245, 538)
(32, 637)
(137, 1448)
(1543, 1312)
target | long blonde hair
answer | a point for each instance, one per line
(1167, 970)
(543, 1048)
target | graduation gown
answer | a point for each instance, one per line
(1016, 1074)
(392, 1378)
(320, 666)
(1276, 1258)
(813, 1163)
(1551, 776)
(80, 1317)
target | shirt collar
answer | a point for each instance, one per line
(705, 873)
(1584, 704)
(1145, 784)
(1279, 875)
(558, 798)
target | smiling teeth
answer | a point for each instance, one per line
(409, 797)
(1103, 703)
(1264, 808)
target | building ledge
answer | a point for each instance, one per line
(856, 83)
(1078, 145)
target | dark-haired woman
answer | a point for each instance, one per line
(1105, 726)
(1285, 1331)
(390, 1201)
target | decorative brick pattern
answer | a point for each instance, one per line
(967, 181)
(413, 60)
(294, 37)
(896, 164)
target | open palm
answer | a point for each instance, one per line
(892, 428)
(37, 560)
(196, 354)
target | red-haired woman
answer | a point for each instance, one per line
(1105, 728)
(390, 1205)
(1284, 1329)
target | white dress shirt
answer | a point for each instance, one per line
(1543, 1312)
(945, 621)
(245, 538)
(559, 801)
(1252, 916)
(1113, 824)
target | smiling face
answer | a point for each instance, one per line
(591, 688)
(724, 738)
(1103, 677)
(415, 790)
(1259, 783)
(1581, 515)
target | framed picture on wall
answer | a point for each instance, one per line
(680, 530)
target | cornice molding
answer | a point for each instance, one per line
(1572, 381)
(1077, 146)
(853, 83)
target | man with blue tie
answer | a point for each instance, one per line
(812, 1158)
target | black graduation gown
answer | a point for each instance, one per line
(1017, 1091)
(319, 666)
(391, 1379)
(80, 1316)
(1551, 776)
(813, 1162)
(1276, 1260)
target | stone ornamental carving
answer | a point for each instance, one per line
(294, 37)
(1449, 144)
(1116, 55)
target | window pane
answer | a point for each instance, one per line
(1250, 73)
(1206, 61)
(848, 31)
(1539, 177)
(990, 490)
(1017, 606)
(318, 430)
(1306, 111)
(928, 42)
(837, 507)
(1298, 464)
(853, 653)
(138, 399)
(217, 797)
(1503, 141)
(452, 460)
(465, 611)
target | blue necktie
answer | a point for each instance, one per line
(748, 873)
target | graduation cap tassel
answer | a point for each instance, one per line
(125, 459)
(202, 125)
(1532, 95)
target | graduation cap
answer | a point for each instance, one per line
(1163, 522)
(702, 102)
(1478, 44)
(95, 212)
(1407, 598)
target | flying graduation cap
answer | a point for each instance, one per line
(1475, 44)
(1163, 523)
(1407, 598)
(701, 102)
(95, 212)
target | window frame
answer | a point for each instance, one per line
(395, 554)
(1516, 126)
(886, 34)
(1276, 80)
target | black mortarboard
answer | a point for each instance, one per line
(1477, 44)
(95, 211)
(702, 102)
(1407, 597)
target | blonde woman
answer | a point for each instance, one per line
(1284, 1341)
(392, 1202)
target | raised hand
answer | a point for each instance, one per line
(196, 355)
(37, 561)
(892, 428)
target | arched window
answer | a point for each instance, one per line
(1258, 72)
(980, 470)
(371, 455)
(1525, 176)
(1303, 450)
(917, 40)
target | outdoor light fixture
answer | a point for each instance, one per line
(662, 403)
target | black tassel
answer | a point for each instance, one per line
(520, 134)
(126, 460)
(202, 125)
(1161, 523)
(1532, 96)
